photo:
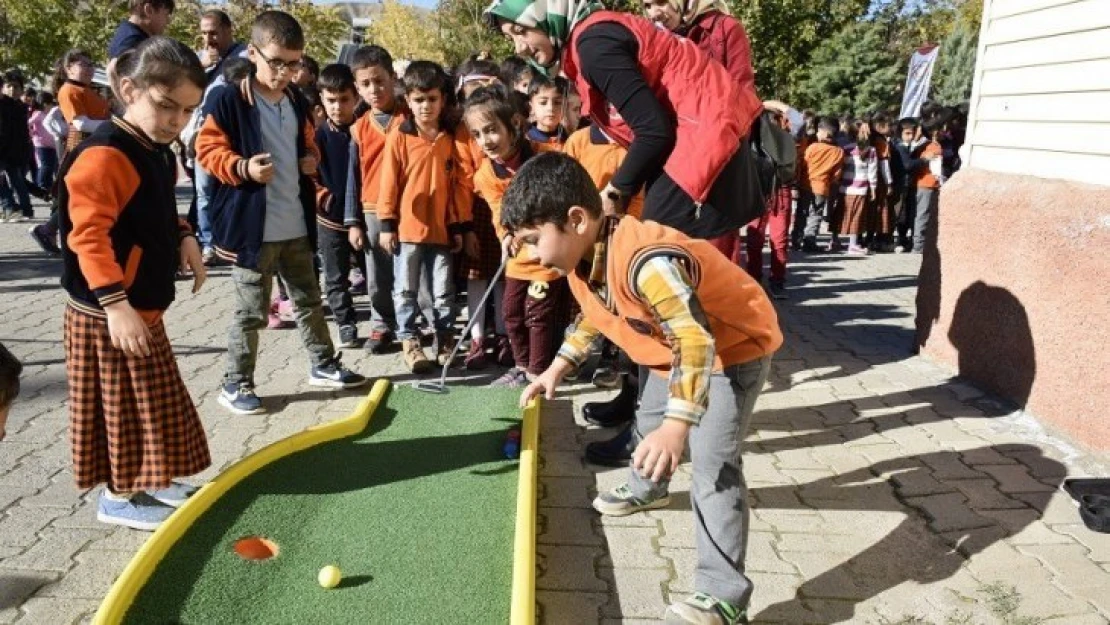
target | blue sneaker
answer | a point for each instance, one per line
(175, 495)
(333, 374)
(141, 512)
(240, 399)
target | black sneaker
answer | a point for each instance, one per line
(332, 374)
(621, 409)
(777, 291)
(240, 399)
(379, 341)
(615, 452)
(348, 336)
(41, 235)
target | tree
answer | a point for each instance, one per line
(407, 33)
(36, 34)
(955, 69)
(462, 32)
(785, 33)
(852, 72)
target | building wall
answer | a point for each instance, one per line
(1016, 292)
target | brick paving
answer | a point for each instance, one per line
(883, 490)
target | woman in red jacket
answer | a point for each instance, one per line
(722, 37)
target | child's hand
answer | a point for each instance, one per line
(308, 165)
(388, 242)
(456, 243)
(546, 383)
(658, 455)
(192, 260)
(260, 168)
(129, 332)
(470, 245)
(356, 237)
(509, 247)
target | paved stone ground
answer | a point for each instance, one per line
(883, 490)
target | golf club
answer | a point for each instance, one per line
(440, 387)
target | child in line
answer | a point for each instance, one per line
(927, 182)
(16, 149)
(479, 267)
(375, 82)
(823, 162)
(773, 226)
(10, 368)
(133, 425)
(333, 138)
(547, 99)
(572, 119)
(881, 228)
(517, 74)
(416, 207)
(536, 299)
(908, 146)
(660, 296)
(308, 73)
(316, 111)
(858, 182)
(146, 18)
(259, 144)
(46, 147)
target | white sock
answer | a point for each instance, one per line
(853, 240)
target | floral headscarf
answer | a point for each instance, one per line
(556, 18)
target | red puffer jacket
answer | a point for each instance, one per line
(713, 111)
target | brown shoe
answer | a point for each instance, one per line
(415, 357)
(445, 345)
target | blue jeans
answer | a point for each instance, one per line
(204, 184)
(16, 188)
(48, 167)
(430, 264)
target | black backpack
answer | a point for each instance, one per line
(775, 154)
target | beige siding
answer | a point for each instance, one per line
(1041, 101)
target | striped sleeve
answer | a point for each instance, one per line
(665, 285)
(576, 346)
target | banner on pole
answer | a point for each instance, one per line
(918, 79)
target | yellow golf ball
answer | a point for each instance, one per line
(329, 576)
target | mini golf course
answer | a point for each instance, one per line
(411, 497)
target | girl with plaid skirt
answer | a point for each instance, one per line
(133, 425)
(858, 182)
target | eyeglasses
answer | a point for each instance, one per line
(278, 65)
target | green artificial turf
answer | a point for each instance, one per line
(418, 512)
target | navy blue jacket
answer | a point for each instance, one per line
(231, 134)
(334, 143)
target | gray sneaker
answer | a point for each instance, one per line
(703, 609)
(175, 495)
(621, 502)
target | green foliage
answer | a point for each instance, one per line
(851, 72)
(955, 69)
(463, 33)
(407, 32)
(785, 34)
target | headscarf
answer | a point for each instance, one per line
(556, 18)
(691, 10)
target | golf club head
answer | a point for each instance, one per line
(431, 387)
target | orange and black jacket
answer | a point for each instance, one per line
(118, 214)
(231, 134)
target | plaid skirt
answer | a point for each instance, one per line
(132, 422)
(489, 247)
(855, 214)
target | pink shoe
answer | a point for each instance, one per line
(275, 322)
(285, 310)
(858, 250)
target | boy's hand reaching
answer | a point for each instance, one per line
(388, 242)
(191, 260)
(129, 332)
(546, 383)
(260, 168)
(308, 165)
(659, 454)
(356, 237)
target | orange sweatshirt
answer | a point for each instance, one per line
(417, 186)
(824, 162)
(601, 157)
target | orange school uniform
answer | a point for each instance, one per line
(601, 158)
(418, 184)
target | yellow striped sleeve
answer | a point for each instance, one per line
(576, 346)
(665, 285)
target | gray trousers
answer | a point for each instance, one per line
(718, 495)
(292, 261)
(814, 215)
(924, 222)
(379, 279)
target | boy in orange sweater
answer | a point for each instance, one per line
(661, 296)
(823, 162)
(416, 208)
